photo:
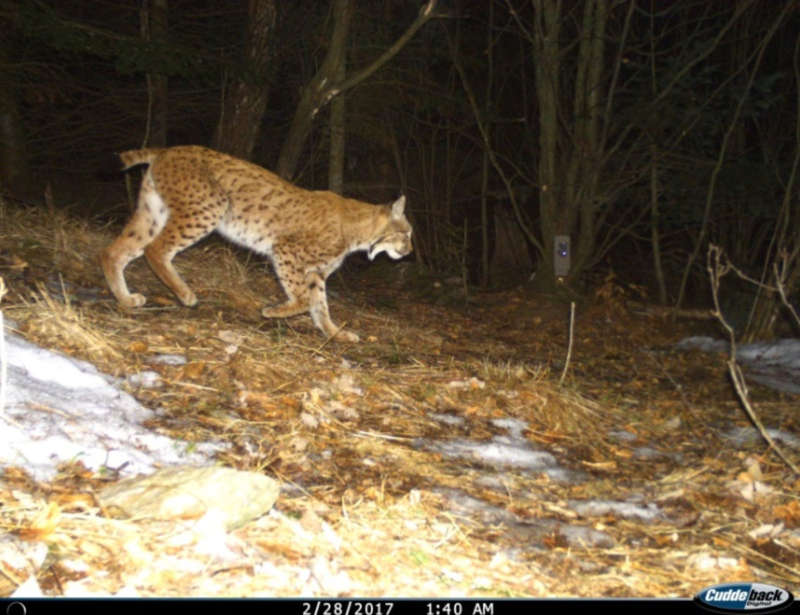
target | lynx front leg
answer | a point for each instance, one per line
(305, 292)
(318, 306)
(289, 274)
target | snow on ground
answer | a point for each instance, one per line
(773, 364)
(59, 409)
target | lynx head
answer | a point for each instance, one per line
(395, 237)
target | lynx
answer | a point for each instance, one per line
(190, 191)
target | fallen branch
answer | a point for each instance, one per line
(781, 274)
(717, 269)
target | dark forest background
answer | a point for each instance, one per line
(644, 130)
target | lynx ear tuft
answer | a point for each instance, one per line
(398, 206)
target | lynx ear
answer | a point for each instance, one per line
(398, 206)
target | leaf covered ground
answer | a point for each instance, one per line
(370, 506)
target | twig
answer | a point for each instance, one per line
(716, 270)
(569, 347)
(426, 13)
(780, 284)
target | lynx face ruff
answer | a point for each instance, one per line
(190, 191)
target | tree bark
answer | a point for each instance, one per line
(655, 230)
(483, 278)
(546, 32)
(343, 12)
(324, 87)
(153, 18)
(246, 100)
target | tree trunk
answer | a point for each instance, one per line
(570, 144)
(655, 231)
(484, 263)
(583, 198)
(245, 101)
(343, 11)
(546, 49)
(153, 18)
(323, 86)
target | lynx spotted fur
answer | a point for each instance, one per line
(190, 191)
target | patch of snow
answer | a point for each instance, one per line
(448, 419)
(461, 503)
(147, 379)
(773, 364)
(497, 452)
(169, 359)
(626, 510)
(781, 352)
(706, 562)
(29, 589)
(495, 482)
(471, 384)
(702, 342)
(774, 377)
(60, 409)
(585, 537)
(750, 435)
(514, 426)
(622, 435)
(648, 452)
(565, 476)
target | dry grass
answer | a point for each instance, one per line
(364, 512)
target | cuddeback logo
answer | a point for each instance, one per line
(758, 597)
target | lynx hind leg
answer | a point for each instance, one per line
(146, 223)
(177, 235)
(193, 213)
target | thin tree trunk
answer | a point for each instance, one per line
(655, 189)
(323, 88)
(153, 22)
(343, 11)
(655, 236)
(583, 202)
(244, 103)
(484, 273)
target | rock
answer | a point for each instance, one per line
(234, 496)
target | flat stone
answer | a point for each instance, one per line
(235, 496)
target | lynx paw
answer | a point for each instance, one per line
(189, 299)
(134, 300)
(345, 336)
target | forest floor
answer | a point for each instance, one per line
(392, 452)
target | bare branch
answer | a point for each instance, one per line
(425, 14)
(717, 267)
